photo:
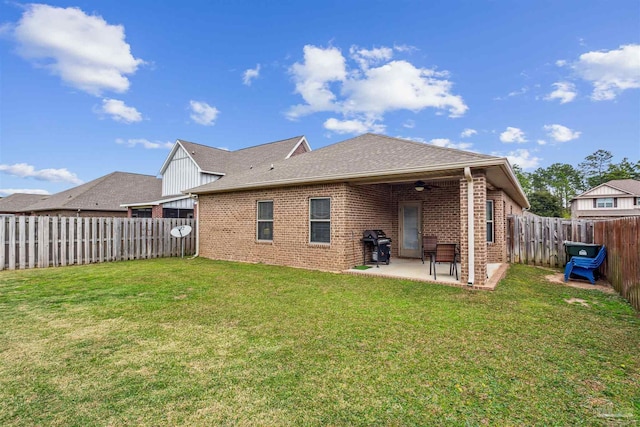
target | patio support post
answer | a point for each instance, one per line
(470, 224)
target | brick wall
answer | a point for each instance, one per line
(156, 211)
(368, 207)
(503, 207)
(228, 225)
(480, 229)
(440, 210)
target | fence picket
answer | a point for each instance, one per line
(30, 242)
(22, 262)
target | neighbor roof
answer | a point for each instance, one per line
(17, 201)
(218, 161)
(106, 193)
(631, 186)
(368, 155)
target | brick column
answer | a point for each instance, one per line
(480, 229)
(156, 211)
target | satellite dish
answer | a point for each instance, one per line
(181, 231)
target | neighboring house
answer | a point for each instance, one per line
(612, 199)
(190, 165)
(310, 210)
(100, 197)
(16, 202)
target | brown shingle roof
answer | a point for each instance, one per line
(17, 201)
(368, 154)
(629, 185)
(210, 159)
(106, 193)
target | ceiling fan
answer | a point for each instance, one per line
(421, 186)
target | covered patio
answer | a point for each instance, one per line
(414, 269)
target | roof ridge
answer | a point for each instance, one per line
(267, 143)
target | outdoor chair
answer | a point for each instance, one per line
(429, 244)
(446, 252)
(585, 266)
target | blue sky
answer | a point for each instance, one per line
(91, 87)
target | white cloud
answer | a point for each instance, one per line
(518, 92)
(84, 50)
(561, 133)
(399, 85)
(203, 113)
(251, 74)
(367, 57)
(353, 126)
(445, 142)
(409, 124)
(513, 135)
(119, 111)
(365, 91)
(565, 92)
(523, 158)
(468, 132)
(404, 48)
(145, 143)
(611, 72)
(9, 191)
(542, 142)
(312, 78)
(24, 170)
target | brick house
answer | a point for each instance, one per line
(101, 197)
(309, 210)
(190, 165)
(612, 199)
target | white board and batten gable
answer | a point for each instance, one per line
(181, 172)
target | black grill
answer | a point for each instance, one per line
(380, 246)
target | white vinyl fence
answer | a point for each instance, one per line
(43, 241)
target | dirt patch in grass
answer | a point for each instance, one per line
(600, 285)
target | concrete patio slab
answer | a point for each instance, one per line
(414, 269)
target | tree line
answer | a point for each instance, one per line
(551, 189)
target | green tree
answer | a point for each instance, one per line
(544, 203)
(524, 178)
(594, 167)
(623, 170)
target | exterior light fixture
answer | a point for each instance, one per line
(419, 186)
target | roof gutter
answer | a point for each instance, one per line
(470, 227)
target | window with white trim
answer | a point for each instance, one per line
(604, 202)
(320, 220)
(265, 220)
(490, 222)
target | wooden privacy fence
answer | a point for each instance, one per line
(539, 240)
(621, 237)
(30, 241)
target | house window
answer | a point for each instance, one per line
(141, 213)
(265, 220)
(490, 223)
(604, 202)
(320, 220)
(177, 213)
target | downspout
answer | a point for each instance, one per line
(197, 203)
(470, 226)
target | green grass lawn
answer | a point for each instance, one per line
(199, 342)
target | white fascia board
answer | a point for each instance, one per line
(154, 203)
(303, 140)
